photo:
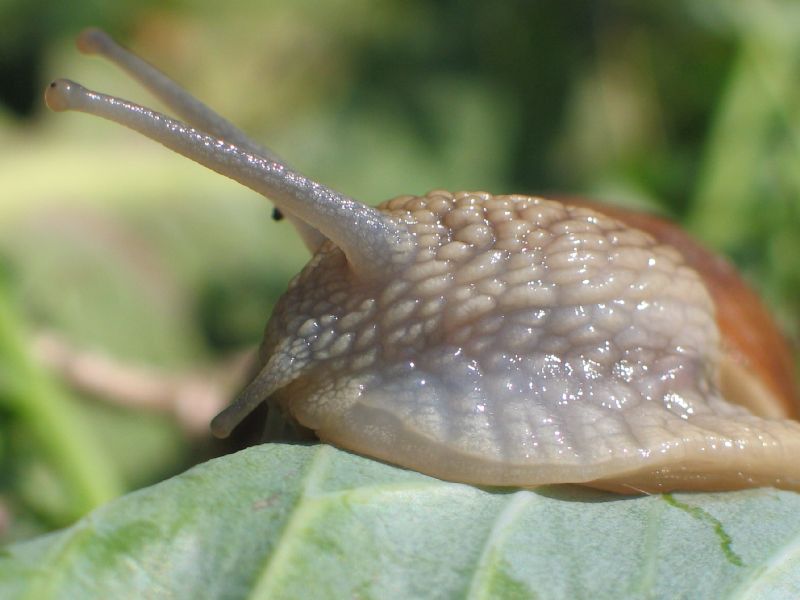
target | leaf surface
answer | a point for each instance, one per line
(279, 521)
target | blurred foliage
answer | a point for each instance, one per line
(690, 108)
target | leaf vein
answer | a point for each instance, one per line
(482, 575)
(266, 581)
(752, 586)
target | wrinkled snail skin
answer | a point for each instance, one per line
(758, 369)
(500, 340)
(531, 342)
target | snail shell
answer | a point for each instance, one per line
(500, 340)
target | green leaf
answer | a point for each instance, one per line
(279, 521)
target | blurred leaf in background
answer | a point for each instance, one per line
(688, 108)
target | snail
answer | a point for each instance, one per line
(501, 340)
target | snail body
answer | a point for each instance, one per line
(497, 340)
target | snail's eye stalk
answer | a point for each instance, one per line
(372, 241)
(194, 112)
(93, 41)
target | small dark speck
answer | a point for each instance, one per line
(277, 215)
(267, 502)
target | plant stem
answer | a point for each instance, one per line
(52, 419)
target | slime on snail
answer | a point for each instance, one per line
(497, 339)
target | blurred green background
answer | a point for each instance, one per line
(688, 108)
